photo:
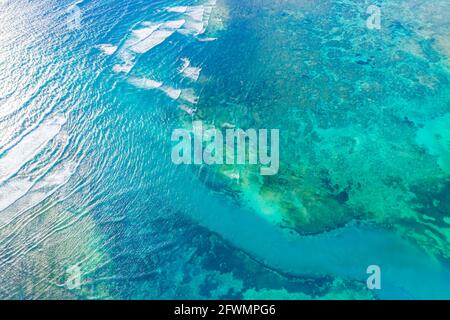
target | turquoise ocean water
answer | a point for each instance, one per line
(90, 92)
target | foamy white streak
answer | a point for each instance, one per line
(187, 109)
(152, 41)
(178, 9)
(189, 96)
(148, 84)
(32, 192)
(206, 39)
(192, 73)
(143, 40)
(171, 92)
(13, 190)
(144, 83)
(107, 49)
(29, 146)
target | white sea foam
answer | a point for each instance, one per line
(51, 182)
(149, 84)
(178, 9)
(187, 109)
(189, 95)
(117, 68)
(157, 37)
(14, 187)
(192, 73)
(107, 49)
(128, 59)
(143, 39)
(13, 190)
(188, 71)
(192, 27)
(207, 39)
(144, 83)
(186, 64)
(142, 33)
(171, 92)
(175, 24)
(29, 146)
(150, 35)
(30, 192)
(196, 13)
(197, 18)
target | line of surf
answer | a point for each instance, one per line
(29, 146)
